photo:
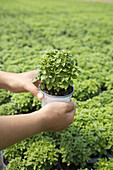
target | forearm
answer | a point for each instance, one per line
(5, 79)
(18, 127)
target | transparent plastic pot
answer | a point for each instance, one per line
(50, 98)
(2, 165)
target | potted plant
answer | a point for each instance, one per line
(57, 70)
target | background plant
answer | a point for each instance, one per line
(104, 164)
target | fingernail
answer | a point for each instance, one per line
(39, 95)
(74, 104)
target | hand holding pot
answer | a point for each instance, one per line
(57, 116)
(20, 82)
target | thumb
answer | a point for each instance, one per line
(34, 91)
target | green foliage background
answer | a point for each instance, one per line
(27, 29)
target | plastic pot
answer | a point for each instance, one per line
(50, 98)
(2, 165)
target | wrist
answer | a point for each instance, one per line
(4, 79)
(38, 121)
(7, 80)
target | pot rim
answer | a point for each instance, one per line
(56, 96)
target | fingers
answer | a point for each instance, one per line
(40, 95)
(71, 116)
(32, 73)
(71, 106)
(34, 91)
(33, 87)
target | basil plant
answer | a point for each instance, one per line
(57, 70)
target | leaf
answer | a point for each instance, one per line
(43, 77)
(34, 80)
(58, 60)
(49, 86)
(42, 86)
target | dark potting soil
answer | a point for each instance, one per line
(62, 92)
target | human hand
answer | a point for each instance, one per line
(22, 82)
(57, 116)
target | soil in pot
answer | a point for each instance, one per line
(62, 92)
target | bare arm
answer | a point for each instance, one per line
(55, 116)
(18, 127)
